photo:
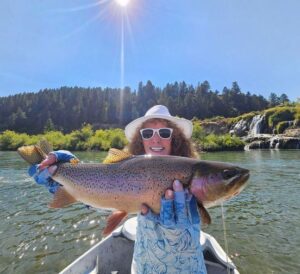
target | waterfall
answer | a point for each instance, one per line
(255, 126)
(274, 141)
(240, 128)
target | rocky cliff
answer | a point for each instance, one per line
(276, 128)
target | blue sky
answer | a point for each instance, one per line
(54, 43)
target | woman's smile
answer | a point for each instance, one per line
(157, 145)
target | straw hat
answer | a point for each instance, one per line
(160, 112)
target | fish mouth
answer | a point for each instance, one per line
(239, 183)
(245, 174)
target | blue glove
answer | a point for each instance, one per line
(178, 213)
(170, 242)
(63, 156)
(43, 177)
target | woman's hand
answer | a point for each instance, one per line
(50, 160)
(165, 240)
(178, 208)
(63, 156)
(169, 195)
(41, 174)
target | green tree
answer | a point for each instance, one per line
(283, 98)
(273, 100)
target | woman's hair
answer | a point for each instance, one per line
(180, 146)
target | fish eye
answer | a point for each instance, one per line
(229, 173)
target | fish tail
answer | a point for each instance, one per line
(31, 154)
(35, 154)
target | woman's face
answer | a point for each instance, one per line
(157, 145)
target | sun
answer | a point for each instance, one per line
(123, 3)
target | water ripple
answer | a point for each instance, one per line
(262, 222)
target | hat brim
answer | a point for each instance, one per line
(185, 125)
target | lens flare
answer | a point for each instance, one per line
(123, 3)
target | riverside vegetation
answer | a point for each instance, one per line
(209, 135)
(88, 139)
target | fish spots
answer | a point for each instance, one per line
(127, 184)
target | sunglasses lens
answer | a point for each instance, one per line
(165, 133)
(147, 133)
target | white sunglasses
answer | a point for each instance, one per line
(164, 133)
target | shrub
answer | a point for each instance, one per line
(83, 139)
(297, 114)
(246, 116)
(279, 114)
(10, 140)
(198, 132)
(282, 126)
(214, 142)
(57, 139)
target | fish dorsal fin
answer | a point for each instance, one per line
(113, 220)
(61, 199)
(30, 154)
(115, 155)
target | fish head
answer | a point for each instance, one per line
(214, 182)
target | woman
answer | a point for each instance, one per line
(168, 242)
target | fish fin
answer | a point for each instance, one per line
(61, 199)
(74, 161)
(205, 217)
(113, 220)
(30, 154)
(41, 152)
(45, 146)
(115, 155)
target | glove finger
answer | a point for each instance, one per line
(33, 170)
(53, 186)
(181, 215)
(192, 209)
(42, 177)
(167, 216)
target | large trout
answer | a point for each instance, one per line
(129, 181)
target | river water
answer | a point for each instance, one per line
(262, 223)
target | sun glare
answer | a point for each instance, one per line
(123, 3)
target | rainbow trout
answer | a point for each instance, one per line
(125, 182)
